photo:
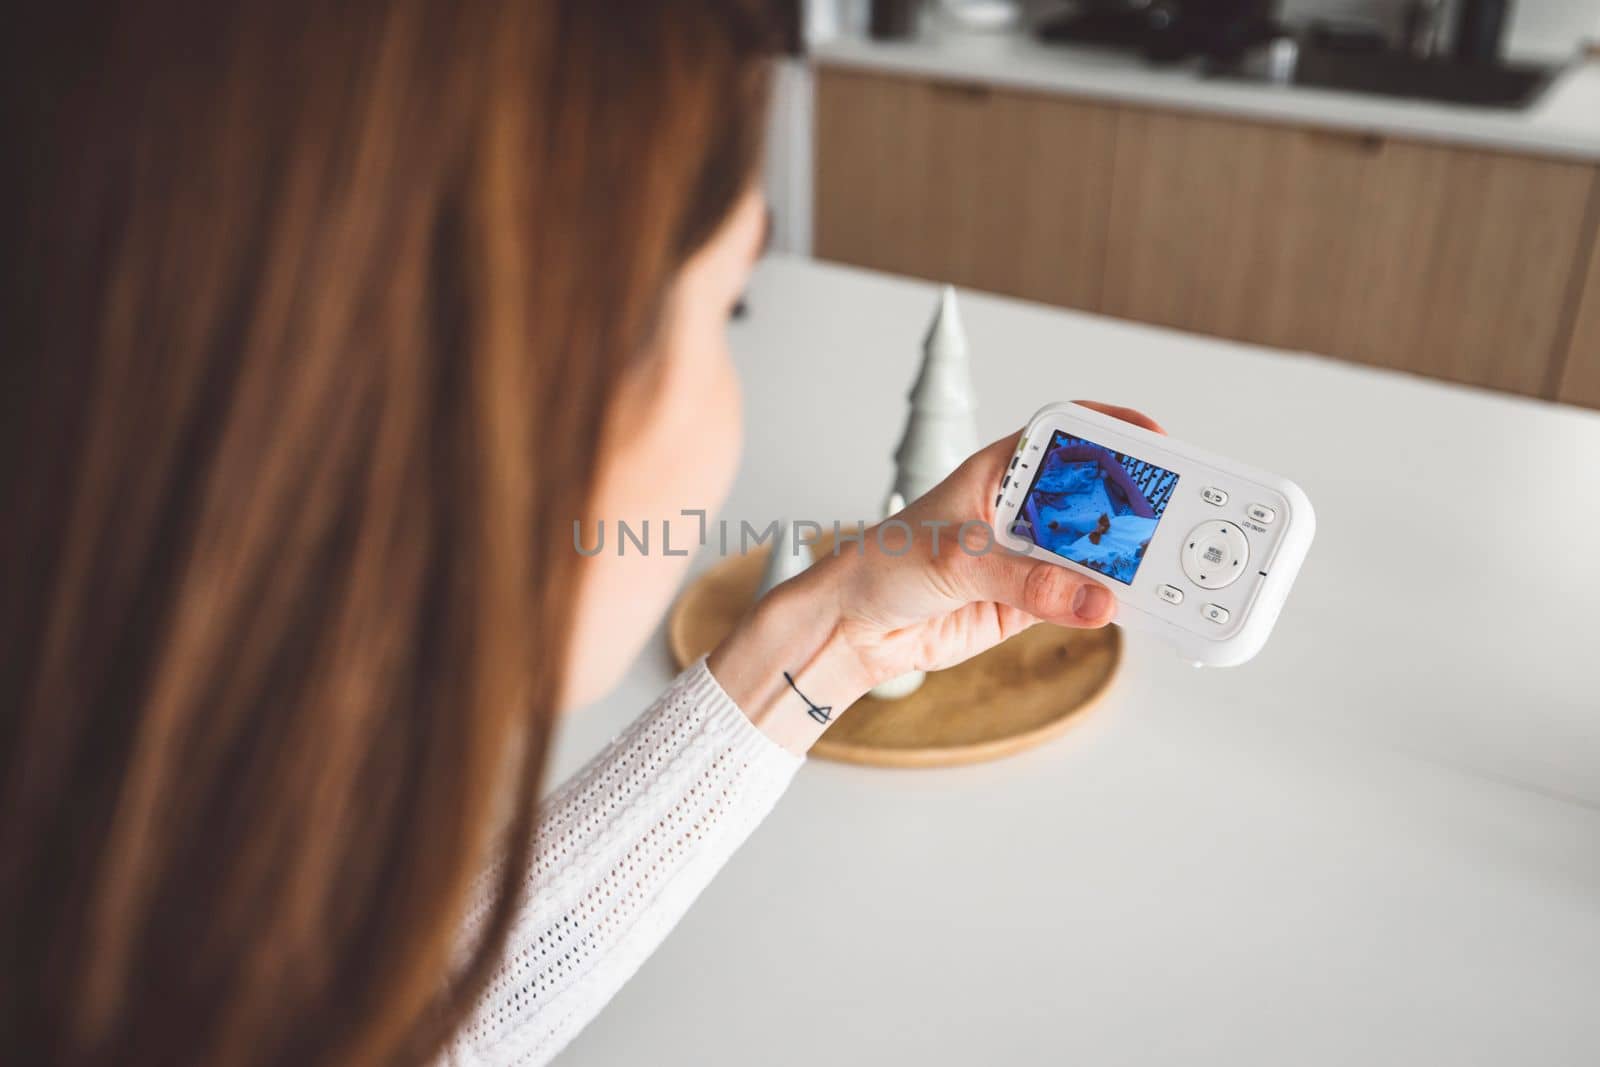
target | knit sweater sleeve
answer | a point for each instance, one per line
(623, 849)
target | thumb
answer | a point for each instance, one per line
(1041, 589)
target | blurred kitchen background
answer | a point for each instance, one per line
(1413, 184)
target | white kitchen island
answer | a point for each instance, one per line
(1378, 843)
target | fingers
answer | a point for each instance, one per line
(1138, 418)
(1036, 587)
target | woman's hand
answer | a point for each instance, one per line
(913, 595)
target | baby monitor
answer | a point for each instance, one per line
(1196, 548)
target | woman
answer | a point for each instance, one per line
(324, 324)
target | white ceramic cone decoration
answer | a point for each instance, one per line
(941, 431)
(788, 559)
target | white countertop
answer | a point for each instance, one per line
(1565, 121)
(1377, 843)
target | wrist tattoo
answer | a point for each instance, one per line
(821, 712)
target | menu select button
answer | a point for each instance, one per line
(1214, 555)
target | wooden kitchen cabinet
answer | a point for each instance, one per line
(962, 184)
(1237, 229)
(1580, 372)
(1452, 262)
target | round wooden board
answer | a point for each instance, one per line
(1017, 695)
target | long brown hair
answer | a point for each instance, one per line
(312, 316)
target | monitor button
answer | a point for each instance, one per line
(1170, 593)
(1215, 613)
(1261, 513)
(1213, 495)
(1214, 554)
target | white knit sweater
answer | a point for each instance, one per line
(623, 849)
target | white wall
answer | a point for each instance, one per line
(1552, 27)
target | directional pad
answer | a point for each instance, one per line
(1215, 554)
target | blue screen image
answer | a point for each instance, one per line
(1094, 506)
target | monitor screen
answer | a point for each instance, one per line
(1094, 506)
